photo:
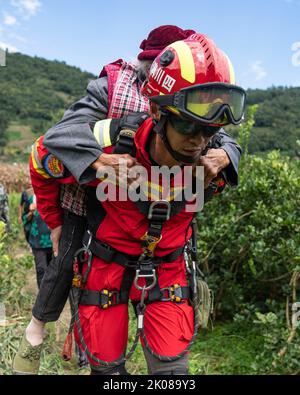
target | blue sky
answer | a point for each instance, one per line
(262, 37)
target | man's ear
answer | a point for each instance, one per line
(155, 111)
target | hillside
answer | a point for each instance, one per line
(35, 92)
(277, 121)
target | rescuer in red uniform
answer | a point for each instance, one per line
(134, 250)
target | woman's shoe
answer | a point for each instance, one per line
(27, 359)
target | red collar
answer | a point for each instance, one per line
(141, 139)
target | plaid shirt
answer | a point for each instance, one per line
(126, 98)
(73, 198)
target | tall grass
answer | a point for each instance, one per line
(229, 349)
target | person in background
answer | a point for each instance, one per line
(4, 208)
(38, 239)
(24, 210)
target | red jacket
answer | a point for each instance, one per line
(47, 174)
(123, 225)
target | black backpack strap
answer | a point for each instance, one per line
(123, 131)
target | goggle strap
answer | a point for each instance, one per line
(164, 100)
(160, 125)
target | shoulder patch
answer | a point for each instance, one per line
(53, 166)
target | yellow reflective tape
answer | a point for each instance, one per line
(36, 167)
(156, 191)
(106, 134)
(231, 70)
(186, 60)
(36, 155)
(96, 131)
(102, 133)
(151, 185)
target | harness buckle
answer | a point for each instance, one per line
(150, 243)
(77, 280)
(158, 203)
(127, 133)
(139, 274)
(108, 298)
(82, 256)
(174, 293)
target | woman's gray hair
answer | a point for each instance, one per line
(142, 67)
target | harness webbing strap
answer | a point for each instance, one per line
(127, 281)
(125, 144)
(154, 294)
(98, 298)
(109, 254)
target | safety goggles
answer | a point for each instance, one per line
(212, 103)
(190, 128)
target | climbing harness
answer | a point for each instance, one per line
(137, 268)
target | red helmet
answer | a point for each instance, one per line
(195, 78)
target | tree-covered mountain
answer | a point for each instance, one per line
(35, 91)
(277, 120)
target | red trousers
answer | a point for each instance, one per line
(168, 325)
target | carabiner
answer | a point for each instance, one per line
(89, 266)
(138, 276)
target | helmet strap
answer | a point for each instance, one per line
(159, 128)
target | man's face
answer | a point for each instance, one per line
(188, 145)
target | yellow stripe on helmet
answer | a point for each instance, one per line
(186, 60)
(231, 70)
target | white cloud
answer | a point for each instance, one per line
(17, 37)
(257, 70)
(5, 46)
(297, 2)
(9, 20)
(27, 7)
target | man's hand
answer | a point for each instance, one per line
(55, 237)
(113, 160)
(214, 161)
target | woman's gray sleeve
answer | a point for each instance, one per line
(71, 140)
(234, 152)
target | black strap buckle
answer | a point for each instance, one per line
(125, 141)
(109, 298)
(127, 133)
(174, 293)
(132, 263)
(162, 208)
